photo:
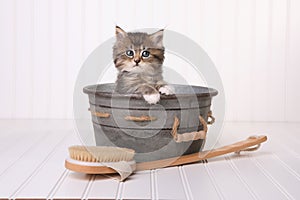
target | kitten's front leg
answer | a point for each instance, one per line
(150, 94)
(166, 89)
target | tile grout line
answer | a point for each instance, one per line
(290, 170)
(152, 184)
(291, 151)
(119, 192)
(88, 187)
(155, 185)
(154, 188)
(7, 146)
(39, 166)
(185, 183)
(238, 174)
(271, 178)
(24, 153)
(58, 184)
(288, 149)
(213, 181)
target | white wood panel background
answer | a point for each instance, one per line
(255, 45)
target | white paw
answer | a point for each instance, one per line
(167, 90)
(152, 98)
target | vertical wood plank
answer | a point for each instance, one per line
(91, 26)
(178, 70)
(276, 69)
(209, 28)
(126, 20)
(46, 177)
(24, 58)
(138, 186)
(244, 60)
(178, 16)
(103, 187)
(261, 66)
(41, 60)
(264, 188)
(200, 183)
(144, 15)
(161, 14)
(7, 52)
(195, 30)
(74, 57)
(227, 54)
(228, 182)
(280, 176)
(11, 154)
(73, 186)
(108, 18)
(194, 27)
(57, 74)
(169, 185)
(293, 61)
(27, 163)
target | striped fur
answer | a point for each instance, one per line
(145, 77)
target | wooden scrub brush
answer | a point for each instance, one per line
(110, 160)
(107, 160)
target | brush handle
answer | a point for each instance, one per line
(196, 157)
(244, 145)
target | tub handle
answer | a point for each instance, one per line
(142, 118)
(211, 117)
(185, 137)
(100, 114)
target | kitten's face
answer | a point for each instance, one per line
(138, 52)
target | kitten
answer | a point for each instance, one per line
(139, 57)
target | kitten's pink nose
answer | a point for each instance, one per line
(137, 61)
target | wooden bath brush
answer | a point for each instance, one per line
(93, 160)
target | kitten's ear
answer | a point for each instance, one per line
(120, 33)
(157, 37)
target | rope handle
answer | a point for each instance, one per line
(185, 137)
(253, 148)
(142, 118)
(99, 114)
(211, 117)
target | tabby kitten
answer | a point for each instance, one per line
(139, 57)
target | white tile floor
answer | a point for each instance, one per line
(32, 154)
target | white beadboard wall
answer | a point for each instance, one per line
(255, 45)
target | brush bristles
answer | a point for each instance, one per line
(100, 154)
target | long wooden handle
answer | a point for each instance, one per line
(196, 157)
(236, 147)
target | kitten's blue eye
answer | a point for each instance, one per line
(146, 54)
(129, 53)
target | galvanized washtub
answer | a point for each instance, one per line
(176, 126)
